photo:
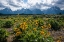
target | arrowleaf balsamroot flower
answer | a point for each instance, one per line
(18, 33)
(42, 32)
(16, 29)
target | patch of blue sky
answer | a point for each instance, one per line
(25, 1)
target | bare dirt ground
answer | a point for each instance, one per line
(57, 35)
(10, 37)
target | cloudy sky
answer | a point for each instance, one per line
(15, 5)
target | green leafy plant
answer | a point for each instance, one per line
(3, 35)
(54, 25)
(8, 24)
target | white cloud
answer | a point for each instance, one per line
(33, 2)
(2, 8)
(44, 8)
(30, 4)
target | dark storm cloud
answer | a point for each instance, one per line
(60, 4)
(60, 1)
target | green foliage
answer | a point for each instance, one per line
(1, 23)
(35, 17)
(54, 25)
(8, 24)
(40, 23)
(3, 35)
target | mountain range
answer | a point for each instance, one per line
(52, 10)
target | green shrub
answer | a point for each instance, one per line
(1, 23)
(35, 17)
(54, 25)
(40, 23)
(8, 24)
(3, 35)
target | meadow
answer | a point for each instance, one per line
(32, 28)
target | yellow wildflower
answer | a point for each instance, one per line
(48, 34)
(42, 32)
(24, 23)
(34, 29)
(42, 26)
(58, 40)
(36, 22)
(23, 26)
(49, 25)
(16, 29)
(15, 20)
(18, 33)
